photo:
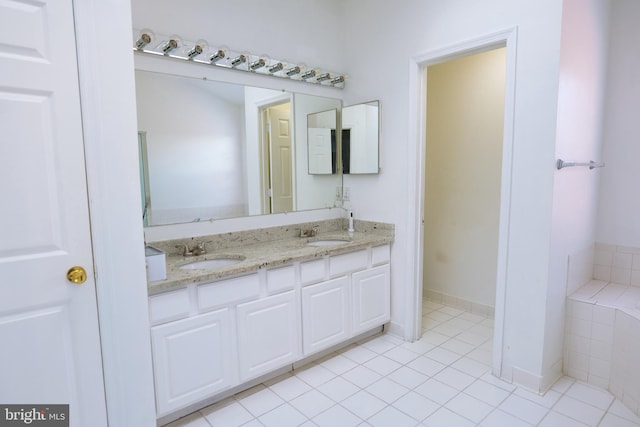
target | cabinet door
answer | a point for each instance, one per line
(268, 334)
(371, 298)
(325, 314)
(192, 359)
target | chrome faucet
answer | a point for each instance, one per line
(198, 249)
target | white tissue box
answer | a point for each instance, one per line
(156, 264)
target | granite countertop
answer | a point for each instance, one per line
(262, 250)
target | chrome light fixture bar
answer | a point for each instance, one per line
(201, 52)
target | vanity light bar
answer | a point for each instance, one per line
(145, 41)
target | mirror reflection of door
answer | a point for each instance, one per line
(279, 157)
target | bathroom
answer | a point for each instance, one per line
(560, 110)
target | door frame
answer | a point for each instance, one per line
(107, 97)
(416, 176)
(265, 148)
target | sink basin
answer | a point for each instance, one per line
(210, 264)
(328, 242)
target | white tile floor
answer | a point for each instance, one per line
(443, 380)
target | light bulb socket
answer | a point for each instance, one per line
(337, 80)
(308, 74)
(276, 67)
(238, 60)
(194, 51)
(144, 39)
(217, 56)
(258, 63)
(170, 45)
(293, 71)
(323, 77)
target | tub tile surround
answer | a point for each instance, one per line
(265, 248)
(602, 330)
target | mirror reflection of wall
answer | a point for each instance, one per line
(208, 156)
(194, 131)
(360, 138)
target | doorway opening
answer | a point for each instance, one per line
(277, 158)
(452, 187)
(463, 158)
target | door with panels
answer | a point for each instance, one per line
(48, 312)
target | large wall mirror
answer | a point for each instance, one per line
(212, 150)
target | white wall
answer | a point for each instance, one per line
(585, 28)
(465, 116)
(422, 26)
(619, 204)
(195, 148)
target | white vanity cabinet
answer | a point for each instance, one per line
(354, 299)
(268, 334)
(210, 338)
(192, 359)
(326, 316)
(371, 298)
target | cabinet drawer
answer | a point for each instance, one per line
(216, 294)
(312, 271)
(380, 255)
(346, 263)
(169, 306)
(280, 279)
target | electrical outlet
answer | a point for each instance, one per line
(346, 194)
(339, 194)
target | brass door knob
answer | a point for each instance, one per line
(77, 275)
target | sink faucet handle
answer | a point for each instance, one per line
(185, 250)
(203, 246)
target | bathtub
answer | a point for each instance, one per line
(602, 338)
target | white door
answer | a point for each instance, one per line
(320, 159)
(281, 160)
(268, 334)
(50, 351)
(192, 359)
(325, 314)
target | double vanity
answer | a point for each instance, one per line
(237, 308)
